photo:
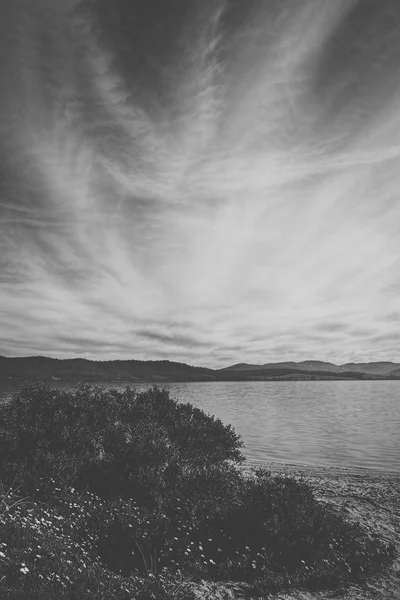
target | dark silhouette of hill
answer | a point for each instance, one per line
(40, 368)
(374, 368)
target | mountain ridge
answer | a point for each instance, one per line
(41, 368)
(375, 367)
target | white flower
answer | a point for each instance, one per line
(24, 570)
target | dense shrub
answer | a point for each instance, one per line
(115, 443)
(131, 494)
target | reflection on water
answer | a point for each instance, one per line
(330, 423)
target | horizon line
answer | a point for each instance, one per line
(298, 362)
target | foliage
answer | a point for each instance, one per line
(116, 443)
(135, 495)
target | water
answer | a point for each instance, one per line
(325, 423)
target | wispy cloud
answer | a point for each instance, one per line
(231, 195)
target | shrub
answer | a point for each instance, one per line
(278, 533)
(115, 443)
(136, 492)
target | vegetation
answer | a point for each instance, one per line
(119, 494)
(41, 368)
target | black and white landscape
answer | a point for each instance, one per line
(199, 275)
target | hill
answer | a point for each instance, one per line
(374, 368)
(41, 368)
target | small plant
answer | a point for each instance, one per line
(9, 497)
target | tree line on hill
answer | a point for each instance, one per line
(40, 368)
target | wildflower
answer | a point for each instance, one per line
(24, 569)
(2, 555)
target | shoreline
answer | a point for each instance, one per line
(75, 381)
(368, 496)
(274, 465)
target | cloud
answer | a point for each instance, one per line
(332, 327)
(220, 190)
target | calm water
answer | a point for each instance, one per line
(329, 423)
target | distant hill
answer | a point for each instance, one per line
(40, 368)
(373, 368)
(242, 367)
(395, 373)
(377, 368)
(307, 365)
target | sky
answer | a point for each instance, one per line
(203, 181)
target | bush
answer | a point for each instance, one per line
(278, 534)
(133, 491)
(117, 444)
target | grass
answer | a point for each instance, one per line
(110, 494)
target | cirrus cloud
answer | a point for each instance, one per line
(207, 182)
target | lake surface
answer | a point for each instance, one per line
(324, 423)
